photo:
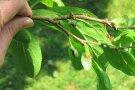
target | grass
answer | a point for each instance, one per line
(117, 8)
(57, 72)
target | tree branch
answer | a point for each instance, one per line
(85, 17)
(118, 48)
(58, 25)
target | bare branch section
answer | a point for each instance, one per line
(85, 17)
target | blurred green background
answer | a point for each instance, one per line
(57, 72)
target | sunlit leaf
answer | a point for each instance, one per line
(59, 3)
(121, 21)
(48, 3)
(26, 53)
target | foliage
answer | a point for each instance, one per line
(28, 52)
(112, 48)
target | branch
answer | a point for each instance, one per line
(125, 27)
(63, 29)
(86, 17)
(115, 47)
(127, 47)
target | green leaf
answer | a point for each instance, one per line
(48, 3)
(103, 79)
(131, 21)
(125, 39)
(26, 53)
(45, 13)
(99, 57)
(90, 30)
(59, 3)
(133, 51)
(121, 60)
(75, 52)
(122, 21)
(87, 30)
(93, 31)
(67, 10)
(86, 59)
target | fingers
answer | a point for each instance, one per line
(26, 11)
(11, 8)
(9, 30)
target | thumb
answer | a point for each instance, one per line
(9, 30)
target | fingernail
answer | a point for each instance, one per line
(28, 23)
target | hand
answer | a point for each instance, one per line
(14, 15)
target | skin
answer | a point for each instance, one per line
(14, 15)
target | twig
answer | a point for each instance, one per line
(125, 27)
(118, 48)
(125, 47)
(86, 17)
(64, 30)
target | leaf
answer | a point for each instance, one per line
(59, 3)
(125, 39)
(87, 30)
(45, 13)
(121, 60)
(75, 52)
(103, 79)
(124, 21)
(48, 3)
(26, 53)
(99, 57)
(132, 51)
(121, 21)
(67, 10)
(131, 21)
(92, 31)
(86, 59)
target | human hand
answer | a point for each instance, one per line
(14, 15)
